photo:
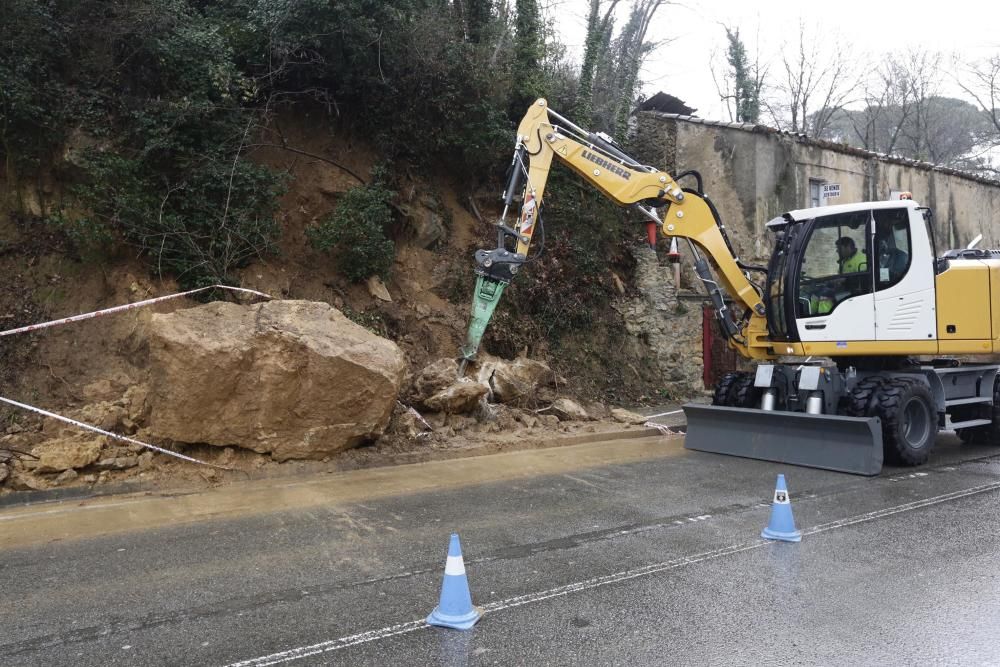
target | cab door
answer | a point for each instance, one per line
(834, 300)
(905, 306)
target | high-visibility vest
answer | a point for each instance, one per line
(854, 264)
(820, 306)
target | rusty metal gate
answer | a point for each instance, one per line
(718, 357)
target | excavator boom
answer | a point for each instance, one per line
(544, 135)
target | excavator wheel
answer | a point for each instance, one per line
(726, 389)
(989, 434)
(745, 394)
(909, 420)
(861, 401)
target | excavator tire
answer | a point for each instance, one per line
(909, 420)
(989, 434)
(725, 389)
(745, 394)
(861, 401)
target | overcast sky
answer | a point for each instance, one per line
(868, 28)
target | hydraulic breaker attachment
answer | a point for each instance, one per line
(484, 302)
(830, 442)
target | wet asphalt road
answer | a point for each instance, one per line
(642, 563)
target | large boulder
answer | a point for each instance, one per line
(567, 410)
(424, 221)
(627, 417)
(407, 422)
(295, 379)
(432, 379)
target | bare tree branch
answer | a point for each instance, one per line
(312, 155)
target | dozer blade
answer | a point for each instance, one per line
(831, 442)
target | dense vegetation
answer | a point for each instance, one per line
(152, 110)
(148, 114)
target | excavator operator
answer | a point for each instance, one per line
(851, 260)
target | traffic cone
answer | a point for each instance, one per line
(674, 255)
(782, 524)
(455, 609)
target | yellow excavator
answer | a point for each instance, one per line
(855, 323)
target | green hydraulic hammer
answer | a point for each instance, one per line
(484, 302)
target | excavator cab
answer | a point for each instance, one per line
(834, 276)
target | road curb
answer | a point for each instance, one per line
(24, 498)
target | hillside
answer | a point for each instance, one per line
(347, 153)
(71, 369)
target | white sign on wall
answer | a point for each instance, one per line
(830, 190)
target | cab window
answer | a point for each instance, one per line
(892, 246)
(835, 264)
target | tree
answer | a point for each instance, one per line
(35, 104)
(634, 48)
(818, 81)
(616, 79)
(948, 133)
(888, 105)
(477, 14)
(981, 81)
(596, 46)
(903, 114)
(922, 75)
(745, 81)
(529, 52)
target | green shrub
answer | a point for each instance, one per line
(35, 105)
(355, 232)
(174, 96)
(168, 119)
(198, 226)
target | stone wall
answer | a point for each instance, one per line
(754, 174)
(666, 321)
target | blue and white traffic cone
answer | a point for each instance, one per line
(455, 609)
(782, 523)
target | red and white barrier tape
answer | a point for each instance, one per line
(127, 306)
(662, 428)
(116, 436)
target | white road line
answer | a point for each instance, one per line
(889, 511)
(576, 587)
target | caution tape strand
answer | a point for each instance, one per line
(115, 436)
(124, 307)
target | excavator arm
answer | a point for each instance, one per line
(668, 209)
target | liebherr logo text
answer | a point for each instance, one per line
(610, 166)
